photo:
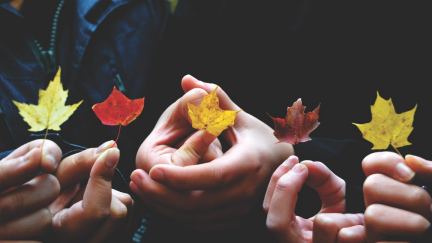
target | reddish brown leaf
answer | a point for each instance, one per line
(296, 126)
(118, 109)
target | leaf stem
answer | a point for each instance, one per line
(397, 150)
(43, 142)
(118, 135)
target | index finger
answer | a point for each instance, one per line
(77, 167)
(25, 163)
(330, 187)
(97, 196)
(387, 163)
(173, 125)
(281, 211)
(232, 166)
(50, 157)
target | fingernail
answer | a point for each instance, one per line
(290, 160)
(49, 159)
(286, 163)
(404, 172)
(103, 147)
(137, 178)
(110, 161)
(299, 168)
(157, 174)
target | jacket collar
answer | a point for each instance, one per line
(84, 6)
(89, 15)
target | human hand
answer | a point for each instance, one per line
(98, 210)
(329, 225)
(208, 194)
(27, 188)
(396, 210)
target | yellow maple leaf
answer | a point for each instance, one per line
(387, 127)
(51, 111)
(209, 116)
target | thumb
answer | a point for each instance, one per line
(189, 82)
(192, 151)
(177, 114)
(97, 196)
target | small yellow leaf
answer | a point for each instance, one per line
(209, 116)
(387, 127)
(51, 111)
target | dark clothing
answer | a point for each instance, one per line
(101, 44)
(143, 50)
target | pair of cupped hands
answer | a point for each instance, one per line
(188, 177)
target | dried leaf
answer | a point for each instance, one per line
(387, 127)
(296, 126)
(118, 109)
(51, 111)
(209, 116)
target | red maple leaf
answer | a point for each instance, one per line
(296, 126)
(118, 109)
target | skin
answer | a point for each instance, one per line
(397, 210)
(329, 225)
(39, 193)
(195, 183)
(27, 188)
(97, 211)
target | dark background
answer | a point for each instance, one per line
(266, 54)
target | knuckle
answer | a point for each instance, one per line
(52, 183)
(120, 212)
(128, 201)
(223, 176)
(275, 225)
(100, 214)
(275, 177)
(325, 221)
(45, 218)
(420, 197)
(372, 159)
(12, 204)
(282, 186)
(372, 214)
(372, 182)
(255, 165)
